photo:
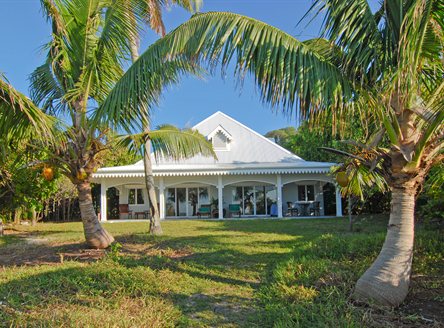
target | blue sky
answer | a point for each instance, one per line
(24, 31)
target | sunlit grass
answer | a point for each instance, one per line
(211, 273)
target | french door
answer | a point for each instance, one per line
(255, 200)
(185, 201)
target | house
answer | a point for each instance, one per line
(252, 174)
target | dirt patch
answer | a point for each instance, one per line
(426, 299)
(136, 250)
(33, 250)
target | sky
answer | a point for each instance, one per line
(25, 31)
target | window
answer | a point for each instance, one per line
(220, 141)
(254, 200)
(220, 138)
(185, 201)
(135, 197)
(306, 193)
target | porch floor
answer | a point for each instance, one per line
(229, 219)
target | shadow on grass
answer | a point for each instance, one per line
(204, 257)
(27, 251)
(211, 279)
(105, 286)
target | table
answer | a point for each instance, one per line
(145, 215)
(304, 206)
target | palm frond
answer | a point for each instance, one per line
(140, 87)
(360, 178)
(352, 26)
(168, 141)
(19, 116)
(288, 73)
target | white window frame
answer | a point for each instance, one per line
(135, 196)
(306, 192)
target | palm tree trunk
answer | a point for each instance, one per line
(387, 281)
(33, 217)
(17, 215)
(96, 236)
(155, 227)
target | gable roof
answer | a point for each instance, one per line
(249, 153)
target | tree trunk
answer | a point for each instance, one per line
(96, 236)
(155, 227)
(69, 209)
(387, 281)
(17, 215)
(34, 217)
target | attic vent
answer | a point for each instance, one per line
(220, 138)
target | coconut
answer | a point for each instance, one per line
(342, 179)
(48, 173)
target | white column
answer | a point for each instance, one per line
(220, 195)
(161, 198)
(103, 206)
(279, 195)
(321, 198)
(338, 202)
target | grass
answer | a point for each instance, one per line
(255, 273)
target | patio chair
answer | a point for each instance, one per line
(204, 210)
(234, 209)
(315, 209)
(124, 209)
(291, 210)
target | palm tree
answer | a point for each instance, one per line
(168, 141)
(152, 12)
(88, 48)
(386, 66)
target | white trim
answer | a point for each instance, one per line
(103, 202)
(161, 199)
(279, 195)
(220, 128)
(220, 195)
(338, 202)
(301, 179)
(166, 173)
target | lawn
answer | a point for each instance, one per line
(202, 273)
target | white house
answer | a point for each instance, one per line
(252, 171)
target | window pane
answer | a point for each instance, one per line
(310, 192)
(192, 201)
(170, 202)
(219, 140)
(260, 200)
(301, 193)
(271, 195)
(132, 196)
(140, 199)
(203, 196)
(237, 195)
(181, 206)
(248, 201)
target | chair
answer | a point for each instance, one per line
(204, 210)
(234, 209)
(291, 210)
(124, 209)
(315, 209)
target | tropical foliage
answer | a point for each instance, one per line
(26, 182)
(385, 66)
(19, 116)
(89, 47)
